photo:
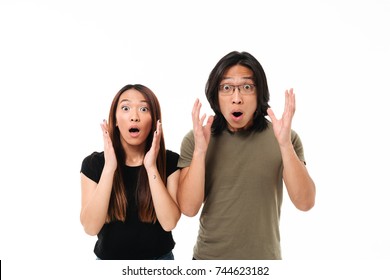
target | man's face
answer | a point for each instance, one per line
(238, 104)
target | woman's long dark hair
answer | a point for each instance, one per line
(118, 201)
(215, 77)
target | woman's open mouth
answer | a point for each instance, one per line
(134, 131)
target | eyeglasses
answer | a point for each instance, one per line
(226, 89)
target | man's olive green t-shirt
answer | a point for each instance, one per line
(243, 195)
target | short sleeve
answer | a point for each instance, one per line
(172, 159)
(298, 147)
(92, 166)
(186, 150)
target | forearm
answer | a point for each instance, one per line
(191, 186)
(94, 213)
(299, 184)
(167, 211)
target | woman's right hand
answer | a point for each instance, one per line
(109, 152)
(202, 133)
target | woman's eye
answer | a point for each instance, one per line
(125, 108)
(144, 109)
(247, 87)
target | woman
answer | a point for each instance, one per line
(129, 190)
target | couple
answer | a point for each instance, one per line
(235, 164)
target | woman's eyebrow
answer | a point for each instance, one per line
(130, 101)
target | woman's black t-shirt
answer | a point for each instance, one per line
(132, 239)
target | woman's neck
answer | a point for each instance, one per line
(134, 155)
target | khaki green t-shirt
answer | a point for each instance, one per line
(243, 195)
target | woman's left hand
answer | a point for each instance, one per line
(151, 156)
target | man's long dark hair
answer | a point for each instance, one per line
(259, 78)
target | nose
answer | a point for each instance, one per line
(236, 96)
(134, 117)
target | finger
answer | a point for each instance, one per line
(271, 114)
(202, 119)
(209, 122)
(197, 122)
(153, 146)
(102, 125)
(104, 129)
(195, 110)
(159, 127)
(157, 136)
(292, 101)
(286, 102)
(158, 130)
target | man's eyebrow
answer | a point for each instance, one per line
(242, 78)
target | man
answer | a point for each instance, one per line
(236, 164)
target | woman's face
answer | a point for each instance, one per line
(133, 118)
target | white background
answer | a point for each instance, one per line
(62, 62)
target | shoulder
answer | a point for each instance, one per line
(189, 136)
(94, 158)
(298, 146)
(172, 156)
(92, 165)
(270, 131)
(172, 159)
(295, 137)
(187, 143)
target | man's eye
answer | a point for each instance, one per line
(226, 87)
(247, 87)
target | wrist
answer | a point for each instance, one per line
(200, 151)
(286, 149)
(151, 169)
(109, 170)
